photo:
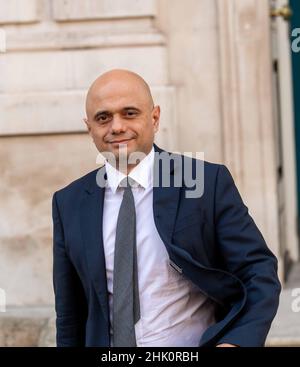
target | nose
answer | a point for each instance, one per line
(117, 125)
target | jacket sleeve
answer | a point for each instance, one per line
(246, 255)
(70, 303)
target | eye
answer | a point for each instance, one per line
(102, 118)
(131, 113)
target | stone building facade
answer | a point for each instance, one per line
(209, 66)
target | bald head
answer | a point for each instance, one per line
(120, 113)
(115, 81)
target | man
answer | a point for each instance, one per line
(139, 264)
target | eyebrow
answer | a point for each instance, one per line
(98, 113)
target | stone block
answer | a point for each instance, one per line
(61, 70)
(119, 34)
(65, 10)
(27, 327)
(47, 336)
(18, 11)
(32, 169)
(59, 112)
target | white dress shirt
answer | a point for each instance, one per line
(174, 313)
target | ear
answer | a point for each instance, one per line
(87, 124)
(155, 117)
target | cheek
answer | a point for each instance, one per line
(98, 139)
(143, 129)
(99, 133)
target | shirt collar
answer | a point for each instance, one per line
(142, 173)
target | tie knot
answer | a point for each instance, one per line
(128, 182)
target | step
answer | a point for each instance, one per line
(27, 327)
(285, 329)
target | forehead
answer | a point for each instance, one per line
(116, 95)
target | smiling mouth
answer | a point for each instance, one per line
(119, 141)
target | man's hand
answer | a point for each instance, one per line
(225, 345)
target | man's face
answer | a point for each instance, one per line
(119, 116)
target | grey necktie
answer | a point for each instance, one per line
(126, 307)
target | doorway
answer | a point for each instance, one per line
(287, 162)
(295, 41)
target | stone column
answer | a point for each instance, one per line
(246, 105)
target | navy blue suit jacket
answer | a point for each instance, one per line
(212, 240)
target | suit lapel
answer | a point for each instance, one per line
(91, 226)
(165, 199)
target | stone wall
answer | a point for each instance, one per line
(55, 49)
(200, 73)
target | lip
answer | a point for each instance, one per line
(119, 141)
